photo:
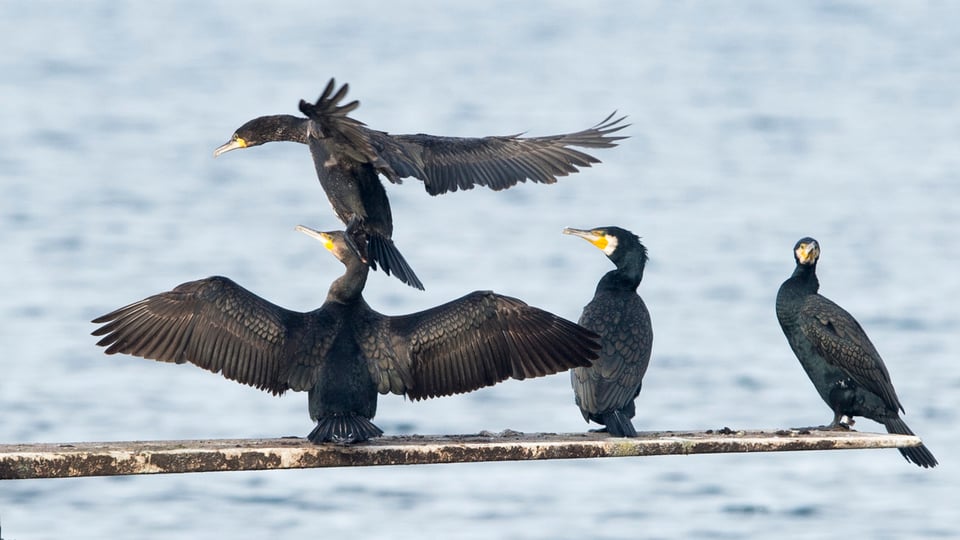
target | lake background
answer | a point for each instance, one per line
(753, 124)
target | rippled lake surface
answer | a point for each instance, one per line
(753, 124)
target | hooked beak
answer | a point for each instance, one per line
(597, 240)
(808, 252)
(323, 237)
(232, 144)
(586, 235)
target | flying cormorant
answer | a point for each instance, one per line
(606, 390)
(344, 352)
(837, 355)
(349, 156)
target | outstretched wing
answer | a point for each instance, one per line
(472, 342)
(220, 326)
(452, 163)
(840, 339)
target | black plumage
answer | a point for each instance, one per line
(837, 355)
(349, 158)
(344, 353)
(606, 391)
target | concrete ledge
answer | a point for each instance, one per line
(61, 460)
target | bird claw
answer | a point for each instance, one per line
(841, 422)
(355, 238)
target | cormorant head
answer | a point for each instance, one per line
(807, 251)
(334, 241)
(618, 244)
(278, 127)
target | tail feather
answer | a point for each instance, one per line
(918, 455)
(618, 424)
(383, 251)
(343, 429)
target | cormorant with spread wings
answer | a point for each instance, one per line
(349, 158)
(344, 353)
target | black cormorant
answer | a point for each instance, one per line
(837, 355)
(349, 157)
(606, 390)
(344, 353)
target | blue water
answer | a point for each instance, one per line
(753, 124)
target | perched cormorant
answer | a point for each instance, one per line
(606, 390)
(349, 157)
(837, 355)
(344, 352)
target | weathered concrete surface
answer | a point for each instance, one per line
(21, 461)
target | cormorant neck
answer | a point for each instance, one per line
(289, 128)
(349, 287)
(628, 274)
(625, 279)
(805, 276)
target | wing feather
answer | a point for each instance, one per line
(627, 338)
(472, 342)
(840, 339)
(454, 163)
(219, 326)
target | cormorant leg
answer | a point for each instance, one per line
(356, 238)
(838, 424)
